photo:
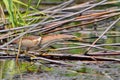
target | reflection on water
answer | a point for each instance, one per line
(9, 69)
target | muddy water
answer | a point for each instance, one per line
(9, 70)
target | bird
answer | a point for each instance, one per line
(29, 41)
(40, 43)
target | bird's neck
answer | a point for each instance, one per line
(37, 41)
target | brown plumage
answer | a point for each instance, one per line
(42, 42)
(56, 37)
(29, 41)
(51, 39)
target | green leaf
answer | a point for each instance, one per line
(19, 2)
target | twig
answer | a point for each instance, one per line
(105, 53)
(22, 34)
(66, 56)
(37, 58)
(82, 46)
(86, 52)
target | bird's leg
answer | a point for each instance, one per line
(31, 55)
(26, 51)
(41, 52)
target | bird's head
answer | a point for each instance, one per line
(37, 41)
